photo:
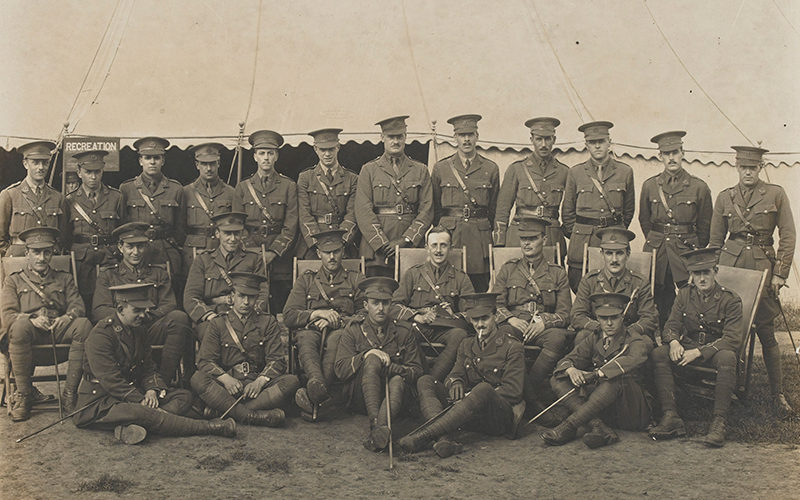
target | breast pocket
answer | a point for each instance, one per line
(21, 220)
(615, 193)
(52, 214)
(108, 220)
(586, 198)
(481, 193)
(556, 194)
(452, 195)
(684, 208)
(168, 210)
(277, 208)
(138, 210)
(765, 216)
(196, 216)
(411, 190)
(529, 196)
(517, 291)
(383, 194)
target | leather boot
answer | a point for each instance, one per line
(445, 447)
(548, 419)
(130, 434)
(267, 418)
(561, 434)
(600, 435)
(378, 437)
(517, 411)
(317, 390)
(781, 406)
(20, 407)
(302, 401)
(69, 395)
(38, 397)
(224, 428)
(716, 433)
(671, 426)
(413, 443)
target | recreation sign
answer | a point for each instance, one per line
(78, 144)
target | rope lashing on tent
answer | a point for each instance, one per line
(564, 72)
(414, 63)
(783, 15)
(255, 62)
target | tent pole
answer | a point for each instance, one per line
(54, 160)
(435, 148)
(239, 153)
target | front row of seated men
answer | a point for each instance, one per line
(358, 342)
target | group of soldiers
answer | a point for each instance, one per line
(163, 268)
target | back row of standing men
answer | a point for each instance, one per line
(394, 200)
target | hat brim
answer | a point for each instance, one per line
(394, 130)
(230, 227)
(378, 295)
(595, 136)
(152, 152)
(93, 167)
(703, 266)
(607, 311)
(246, 290)
(144, 304)
(330, 246)
(40, 244)
(614, 246)
(479, 311)
(37, 156)
(135, 239)
(207, 157)
(465, 130)
(326, 144)
(528, 233)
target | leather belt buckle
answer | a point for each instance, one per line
(95, 240)
(399, 208)
(750, 239)
(329, 219)
(465, 212)
(701, 338)
(603, 221)
(539, 211)
(245, 368)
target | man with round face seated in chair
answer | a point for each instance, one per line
(39, 306)
(704, 328)
(604, 369)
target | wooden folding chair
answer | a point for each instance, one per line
(42, 354)
(643, 263)
(299, 266)
(406, 258)
(749, 284)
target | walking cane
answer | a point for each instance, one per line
(389, 423)
(87, 405)
(58, 377)
(231, 407)
(419, 330)
(562, 398)
(315, 408)
(789, 331)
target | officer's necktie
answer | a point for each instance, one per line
(606, 343)
(468, 164)
(329, 175)
(93, 198)
(228, 259)
(265, 182)
(600, 172)
(395, 167)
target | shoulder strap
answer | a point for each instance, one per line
(261, 206)
(36, 213)
(605, 196)
(462, 184)
(35, 288)
(235, 337)
(535, 188)
(325, 296)
(739, 213)
(432, 285)
(86, 217)
(202, 203)
(150, 205)
(331, 199)
(224, 273)
(664, 202)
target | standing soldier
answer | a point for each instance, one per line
(41, 305)
(270, 201)
(705, 325)
(322, 302)
(748, 214)
(326, 196)
(606, 369)
(209, 284)
(465, 187)
(675, 216)
(165, 323)
(206, 197)
(534, 301)
(599, 193)
(428, 298)
(641, 315)
(95, 211)
(243, 354)
(31, 202)
(121, 380)
(71, 182)
(394, 200)
(485, 385)
(370, 351)
(535, 185)
(158, 201)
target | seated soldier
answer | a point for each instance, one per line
(485, 385)
(605, 367)
(428, 297)
(704, 328)
(534, 300)
(208, 286)
(242, 353)
(375, 351)
(641, 315)
(321, 301)
(41, 306)
(121, 381)
(165, 323)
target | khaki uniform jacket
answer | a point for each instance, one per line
(583, 199)
(710, 323)
(362, 335)
(767, 209)
(550, 177)
(690, 201)
(199, 227)
(483, 181)
(520, 299)
(21, 209)
(19, 300)
(314, 204)
(207, 281)
(589, 355)
(642, 316)
(260, 337)
(105, 212)
(415, 293)
(169, 201)
(121, 274)
(377, 190)
(118, 367)
(500, 364)
(341, 289)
